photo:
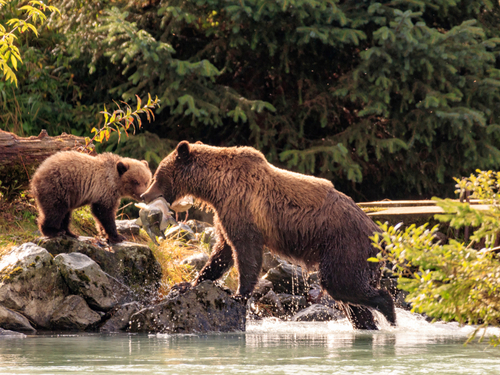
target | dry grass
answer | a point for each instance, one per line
(170, 253)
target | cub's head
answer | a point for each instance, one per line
(165, 182)
(135, 177)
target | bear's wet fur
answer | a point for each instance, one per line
(300, 218)
(70, 179)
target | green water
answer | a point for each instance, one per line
(268, 347)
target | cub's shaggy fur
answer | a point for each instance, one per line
(301, 218)
(69, 179)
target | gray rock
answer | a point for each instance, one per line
(85, 278)
(272, 304)
(198, 226)
(31, 284)
(269, 261)
(292, 303)
(8, 333)
(74, 315)
(120, 317)
(204, 308)
(197, 260)
(132, 264)
(262, 288)
(128, 227)
(14, 321)
(287, 278)
(208, 237)
(318, 313)
(180, 232)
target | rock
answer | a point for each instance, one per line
(272, 304)
(197, 260)
(262, 288)
(132, 264)
(291, 304)
(198, 226)
(317, 295)
(6, 333)
(317, 313)
(86, 279)
(200, 309)
(120, 317)
(180, 232)
(74, 315)
(14, 321)
(128, 227)
(287, 278)
(208, 237)
(269, 261)
(31, 284)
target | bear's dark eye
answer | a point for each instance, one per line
(135, 182)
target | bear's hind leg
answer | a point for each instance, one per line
(359, 316)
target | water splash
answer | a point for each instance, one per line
(409, 325)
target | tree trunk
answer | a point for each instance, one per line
(19, 156)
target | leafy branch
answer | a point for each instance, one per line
(8, 50)
(453, 279)
(121, 120)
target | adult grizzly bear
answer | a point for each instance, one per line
(70, 179)
(298, 217)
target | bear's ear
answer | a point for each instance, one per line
(183, 150)
(145, 162)
(198, 143)
(121, 167)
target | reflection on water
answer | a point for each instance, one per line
(268, 347)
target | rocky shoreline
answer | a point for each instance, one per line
(67, 284)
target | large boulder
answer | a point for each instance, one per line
(204, 308)
(118, 319)
(73, 314)
(14, 321)
(85, 278)
(31, 284)
(132, 264)
(9, 333)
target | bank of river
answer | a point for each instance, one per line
(268, 347)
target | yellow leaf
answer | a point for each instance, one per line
(14, 62)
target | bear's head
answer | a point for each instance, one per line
(165, 182)
(135, 177)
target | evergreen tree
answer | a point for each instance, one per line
(386, 100)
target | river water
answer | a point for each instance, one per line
(267, 347)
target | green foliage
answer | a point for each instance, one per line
(387, 99)
(9, 53)
(454, 281)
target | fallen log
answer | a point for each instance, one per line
(20, 156)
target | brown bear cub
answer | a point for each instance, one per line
(70, 179)
(298, 217)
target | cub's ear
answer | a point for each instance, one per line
(198, 143)
(121, 167)
(145, 162)
(183, 150)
